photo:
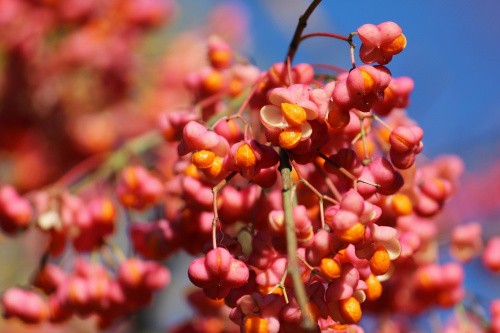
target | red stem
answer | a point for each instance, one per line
(326, 34)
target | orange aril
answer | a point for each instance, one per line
(374, 288)
(396, 46)
(255, 324)
(203, 158)
(330, 268)
(380, 262)
(245, 157)
(401, 204)
(215, 169)
(294, 114)
(350, 310)
(290, 137)
(353, 234)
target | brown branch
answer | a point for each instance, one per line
(301, 25)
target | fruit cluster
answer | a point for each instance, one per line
(302, 194)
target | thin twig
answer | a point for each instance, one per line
(215, 191)
(326, 34)
(383, 123)
(281, 285)
(117, 160)
(334, 190)
(343, 170)
(294, 44)
(351, 49)
(321, 198)
(314, 271)
(346, 173)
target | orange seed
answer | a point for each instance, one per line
(401, 204)
(215, 169)
(290, 137)
(374, 288)
(368, 80)
(350, 310)
(395, 46)
(203, 158)
(380, 261)
(192, 171)
(294, 114)
(213, 82)
(245, 157)
(130, 177)
(353, 234)
(220, 58)
(255, 324)
(330, 268)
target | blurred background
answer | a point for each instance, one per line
(451, 55)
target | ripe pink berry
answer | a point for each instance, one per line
(381, 42)
(389, 180)
(344, 286)
(217, 273)
(362, 89)
(301, 73)
(155, 240)
(491, 254)
(49, 278)
(137, 188)
(15, 211)
(219, 53)
(231, 130)
(172, 123)
(26, 305)
(406, 142)
(321, 247)
(466, 241)
(396, 96)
